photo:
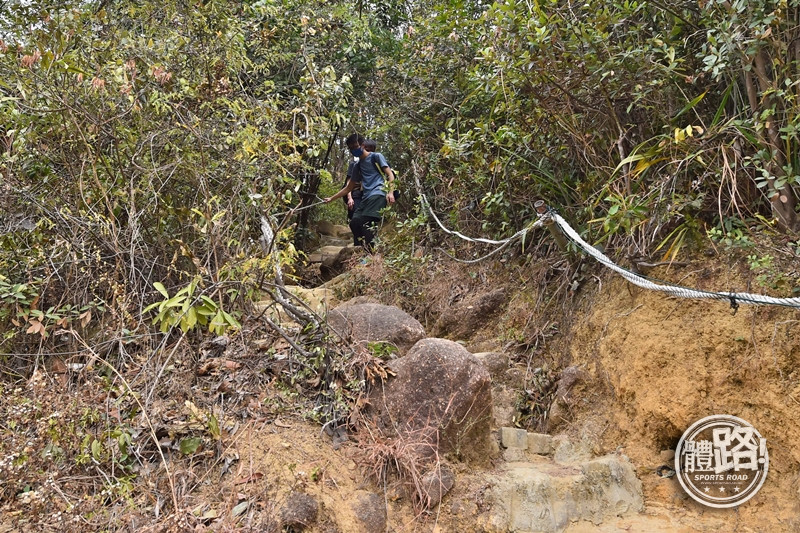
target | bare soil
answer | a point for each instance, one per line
(658, 364)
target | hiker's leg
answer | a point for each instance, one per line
(358, 229)
(369, 211)
(350, 221)
(370, 230)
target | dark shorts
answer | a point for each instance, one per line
(371, 207)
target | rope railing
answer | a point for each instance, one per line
(503, 244)
(734, 298)
(549, 216)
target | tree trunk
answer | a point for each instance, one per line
(782, 199)
(308, 194)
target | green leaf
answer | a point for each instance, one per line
(175, 301)
(191, 318)
(213, 427)
(190, 445)
(160, 288)
(691, 104)
(231, 320)
(630, 159)
(217, 323)
(151, 307)
(723, 103)
(97, 449)
(240, 509)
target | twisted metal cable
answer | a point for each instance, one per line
(503, 244)
(675, 290)
(475, 239)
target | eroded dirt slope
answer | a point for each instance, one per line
(658, 364)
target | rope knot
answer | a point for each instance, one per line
(734, 303)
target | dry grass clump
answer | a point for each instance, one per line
(401, 462)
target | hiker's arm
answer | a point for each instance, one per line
(350, 201)
(389, 184)
(348, 187)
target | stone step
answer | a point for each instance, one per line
(519, 443)
(325, 240)
(546, 496)
(319, 255)
(550, 482)
(319, 299)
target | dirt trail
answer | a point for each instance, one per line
(656, 364)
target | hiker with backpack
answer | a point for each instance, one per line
(353, 198)
(373, 174)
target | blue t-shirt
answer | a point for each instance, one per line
(372, 182)
(352, 168)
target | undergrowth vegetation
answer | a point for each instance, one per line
(161, 162)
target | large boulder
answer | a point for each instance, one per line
(440, 385)
(370, 322)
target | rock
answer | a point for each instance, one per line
(546, 497)
(360, 300)
(503, 410)
(464, 508)
(514, 438)
(436, 484)
(556, 417)
(325, 252)
(515, 455)
(667, 455)
(326, 240)
(319, 299)
(370, 511)
(299, 511)
(334, 264)
(514, 378)
(214, 347)
(540, 444)
(495, 362)
(376, 322)
(439, 384)
(343, 232)
(326, 228)
(571, 377)
(566, 451)
(329, 229)
(466, 317)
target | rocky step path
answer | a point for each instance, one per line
(537, 482)
(547, 483)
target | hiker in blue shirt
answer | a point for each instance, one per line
(353, 199)
(375, 177)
